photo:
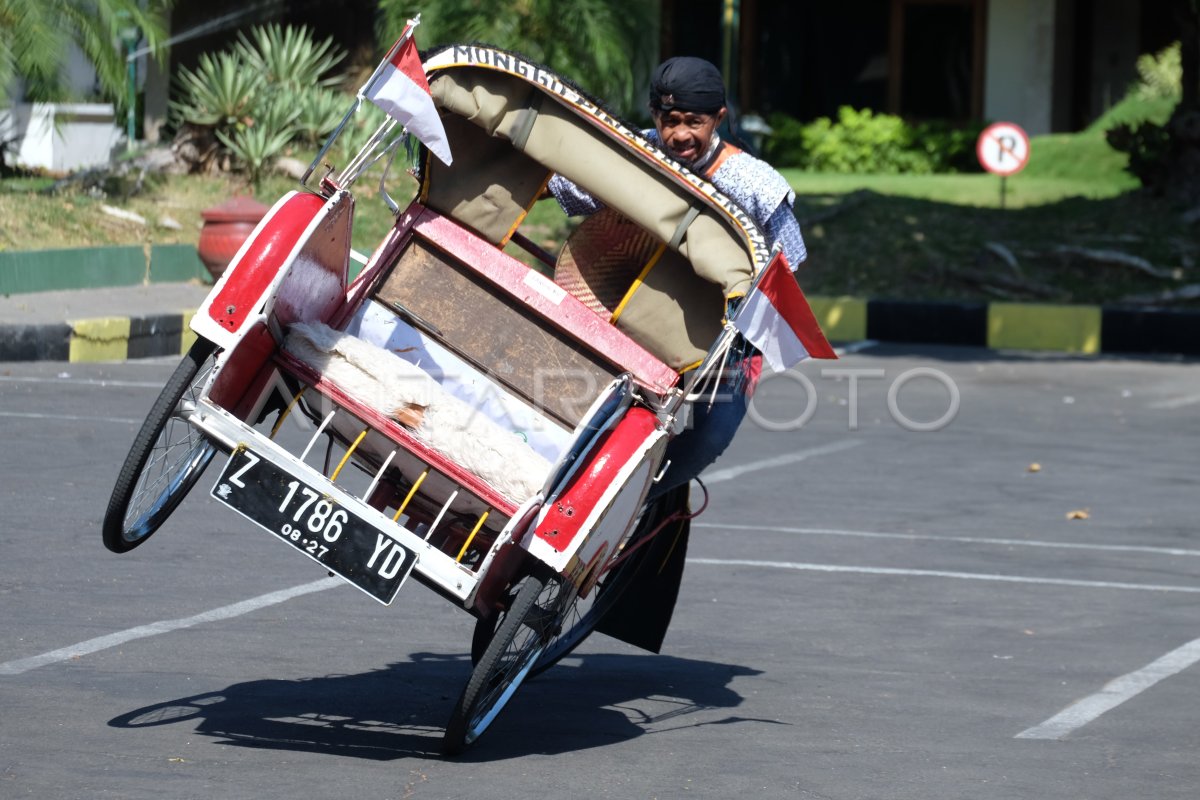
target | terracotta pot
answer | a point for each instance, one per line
(225, 228)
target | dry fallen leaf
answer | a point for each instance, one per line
(1080, 513)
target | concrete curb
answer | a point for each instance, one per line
(98, 339)
(1087, 330)
(27, 271)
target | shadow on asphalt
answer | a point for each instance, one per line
(400, 711)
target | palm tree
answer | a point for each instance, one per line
(34, 38)
(607, 47)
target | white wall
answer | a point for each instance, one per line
(1019, 69)
(61, 137)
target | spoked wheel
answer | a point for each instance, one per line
(167, 457)
(530, 622)
(585, 614)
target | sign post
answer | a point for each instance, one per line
(1003, 149)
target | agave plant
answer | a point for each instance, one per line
(290, 57)
(319, 111)
(256, 147)
(252, 102)
(219, 93)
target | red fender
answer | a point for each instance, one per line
(564, 518)
(250, 274)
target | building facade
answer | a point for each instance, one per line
(1048, 65)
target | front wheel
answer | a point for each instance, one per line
(627, 565)
(530, 622)
(166, 459)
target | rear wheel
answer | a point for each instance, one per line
(166, 459)
(520, 636)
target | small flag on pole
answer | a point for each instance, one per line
(399, 87)
(775, 317)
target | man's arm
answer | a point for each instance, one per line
(575, 202)
(782, 228)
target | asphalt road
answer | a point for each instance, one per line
(870, 610)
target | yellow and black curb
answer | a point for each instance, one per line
(1087, 330)
(99, 339)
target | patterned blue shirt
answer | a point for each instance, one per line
(750, 182)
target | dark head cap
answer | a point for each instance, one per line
(688, 84)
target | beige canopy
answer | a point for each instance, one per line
(512, 125)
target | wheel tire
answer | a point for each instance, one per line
(519, 638)
(585, 614)
(167, 457)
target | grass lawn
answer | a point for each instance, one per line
(31, 219)
(900, 236)
(1073, 226)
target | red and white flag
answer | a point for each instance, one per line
(400, 89)
(775, 318)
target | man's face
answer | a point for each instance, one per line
(687, 134)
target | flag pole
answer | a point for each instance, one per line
(404, 37)
(358, 101)
(776, 249)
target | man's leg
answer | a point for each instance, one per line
(712, 429)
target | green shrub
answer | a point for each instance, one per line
(1138, 124)
(949, 146)
(1148, 144)
(785, 146)
(1161, 74)
(861, 141)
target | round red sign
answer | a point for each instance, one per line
(1003, 148)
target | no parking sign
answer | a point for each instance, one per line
(1003, 148)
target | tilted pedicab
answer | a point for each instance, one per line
(489, 426)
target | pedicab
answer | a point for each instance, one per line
(487, 423)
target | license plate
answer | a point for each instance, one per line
(314, 524)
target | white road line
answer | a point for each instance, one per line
(729, 473)
(854, 347)
(1115, 693)
(83, 381)
(1175, 402)
(1120, 548)
(72, 417)
(164, 626)
(933, 573)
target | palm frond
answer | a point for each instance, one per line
(34, 35)
(608, 47)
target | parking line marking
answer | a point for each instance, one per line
(1114, 693)
(71, 417)
(164, 626)
(935, 573)
(729, 473)
(1175, 402)
(83, 381)
(855, 347)
(1121, 548)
